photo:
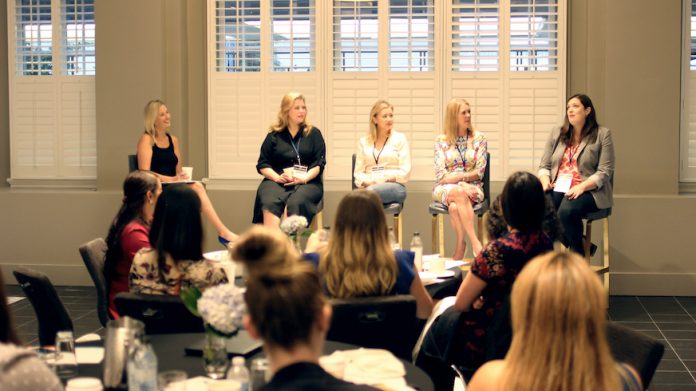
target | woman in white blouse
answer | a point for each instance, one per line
(383, 158)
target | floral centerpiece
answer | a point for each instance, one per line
(295, 226)
(221, 307)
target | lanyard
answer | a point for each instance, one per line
(296, 147)
(374, 148)
(572, 151)
(466, 144)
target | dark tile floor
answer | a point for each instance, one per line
(672, 320)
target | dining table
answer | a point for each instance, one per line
(171, 351)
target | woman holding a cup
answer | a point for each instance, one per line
(158, 151)
(383, 157)
(291, 162)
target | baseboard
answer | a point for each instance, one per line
(652, 284)
(58, 274)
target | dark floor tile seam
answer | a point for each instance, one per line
(667, 341)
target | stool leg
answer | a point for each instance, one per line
(433, 235)
(399, 230)
(588, 240)
(479, 228)
(318, 221)
(441, 233)
(605, 256)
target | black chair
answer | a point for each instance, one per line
(438, 210)
(636, 349)
(162, 314)
(393, 209)
(385, 322)
(132, 163)
(50, 312)
(93, 254)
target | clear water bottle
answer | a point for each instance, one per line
(417, 248)
(142, 367)
(239, 373)
(392, 240)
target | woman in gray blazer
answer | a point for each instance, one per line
(577, 168)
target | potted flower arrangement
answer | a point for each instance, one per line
(221, 307)
(295, 226)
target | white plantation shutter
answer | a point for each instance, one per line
(52, 113)
(687, 172)
(417, 54)
(251, 68)
(515, 106)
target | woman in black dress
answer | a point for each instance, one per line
(158, 151)
(291, 162)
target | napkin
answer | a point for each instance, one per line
(373, 367)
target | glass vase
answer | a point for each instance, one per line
(215, 359)
(296, 240)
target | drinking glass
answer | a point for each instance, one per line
(66, 361)
(259, 374)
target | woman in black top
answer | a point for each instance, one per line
(291, 162)
(158, 151)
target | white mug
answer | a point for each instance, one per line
(188, 171)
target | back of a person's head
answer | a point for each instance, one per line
(523, 202)
(359, 260)
(558, 322)
(283, 294)
(176, 228)
(495, 223)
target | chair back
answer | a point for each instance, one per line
(636, 349)
(50, 312)
(162, 314)
(487, 180)
(93, 255)
(352, 174)
(132, 163)
(385, 322)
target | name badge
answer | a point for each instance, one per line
(563, 183)
(299, 171)
(377, 173)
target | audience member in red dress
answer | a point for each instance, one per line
(287, 310)
(559, 337)
(129, 231)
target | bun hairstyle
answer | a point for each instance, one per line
(284, 295)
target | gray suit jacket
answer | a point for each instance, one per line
(595, 162)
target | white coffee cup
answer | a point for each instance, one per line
(437, 266)
(84, 384)
(188, 171)
(289, 171)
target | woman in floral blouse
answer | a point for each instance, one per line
(460, 163)
(176, 259)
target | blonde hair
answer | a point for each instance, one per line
(559, 337)
(282, 120)
(454, 106)
(359, 260)
(150, 113)
(376, 108)
(283, 295)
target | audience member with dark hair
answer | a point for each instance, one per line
(175, 260)
(129, 231)
(559, 338)
(359, 260)
(577, 168)
(459, 335)
(287, 310)
(496, 226)
(20, 368)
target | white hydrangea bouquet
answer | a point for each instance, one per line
(221, 307)
(295, 226)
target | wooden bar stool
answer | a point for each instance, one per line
(602, 214)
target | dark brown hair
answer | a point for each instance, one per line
(591, 125)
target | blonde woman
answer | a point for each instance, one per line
(460, 163)
(383, 157)
(159, 152)
(359, 260)
(547, 354)
(291, 162)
